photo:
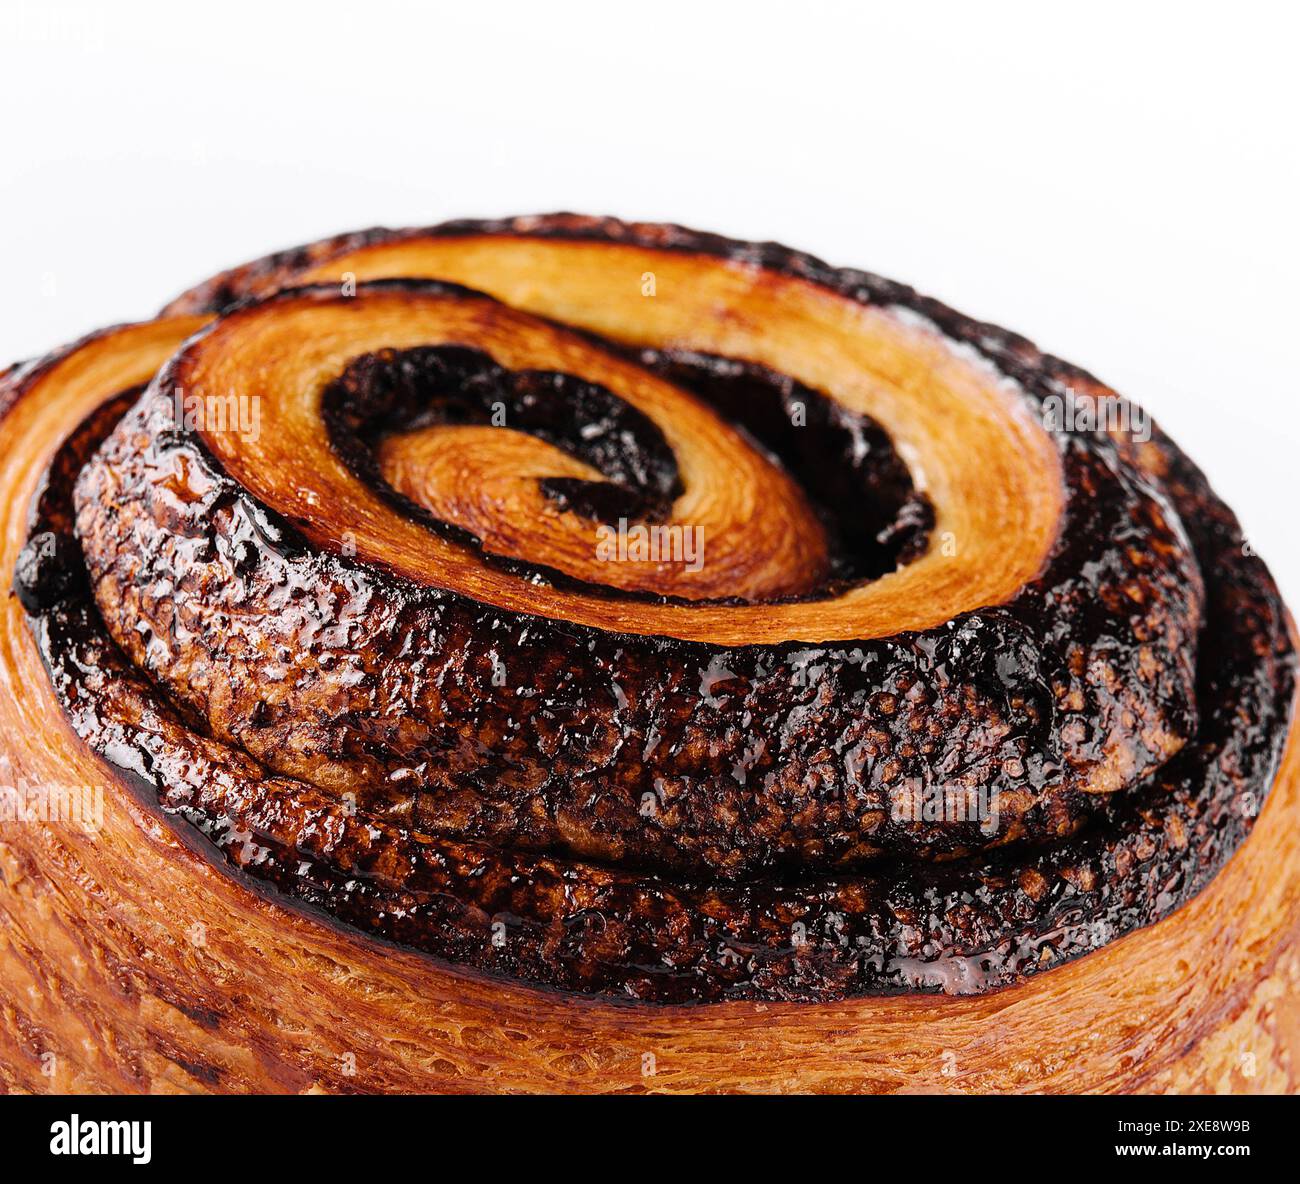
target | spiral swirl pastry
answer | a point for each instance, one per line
(632, 613)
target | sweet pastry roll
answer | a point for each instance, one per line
(509, 651)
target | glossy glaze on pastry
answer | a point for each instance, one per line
(368, 656)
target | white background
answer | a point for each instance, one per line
(1118, 183)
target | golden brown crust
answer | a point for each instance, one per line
(254, 992)
(97, 968)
